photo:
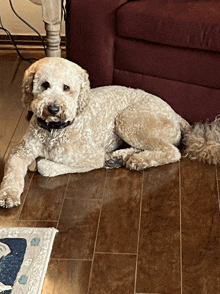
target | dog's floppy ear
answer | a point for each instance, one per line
(27, 86)
(83, 98)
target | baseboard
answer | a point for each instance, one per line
(25, 40)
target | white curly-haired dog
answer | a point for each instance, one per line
(76, 129)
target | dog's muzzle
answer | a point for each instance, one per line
(52, 125)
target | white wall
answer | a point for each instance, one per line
(29, 11)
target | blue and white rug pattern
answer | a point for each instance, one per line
(24, 257)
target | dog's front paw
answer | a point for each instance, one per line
(135, 162)
(43, 167)
(47, 168)
(114, 162)
(9, 198)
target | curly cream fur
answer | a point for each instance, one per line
(100, 119)
(202, 142)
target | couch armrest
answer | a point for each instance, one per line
(90, 31)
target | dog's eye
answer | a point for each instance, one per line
(66, 88)
(46, 85)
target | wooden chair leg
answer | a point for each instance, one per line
(52, 18)
(53, 40)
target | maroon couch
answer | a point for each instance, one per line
(170, 48)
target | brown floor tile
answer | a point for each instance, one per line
(45, 198)
(51, 277)
(19, 132)
(16, 135)
(218, 171)
(11, 92)
(200, 228)
(21, 128)
(86, 186)
(2, 165)
(11, 74)
(6, 132)
(159, 266)
(119, 223)
(9, 62)
(67, 277)
(113, 273)
(37, 224)
(218, 183)
(11, 109)
(77, 229)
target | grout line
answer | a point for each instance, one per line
(58, 220)
(116, 253)
(25, 197)
(139, 229)
(181, 250)
(10, 142)
(17, 67)
(100, 212)
(217, 183)
(72, 259)
(84, 199)
(38, 220)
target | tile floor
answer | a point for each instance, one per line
(120, 231)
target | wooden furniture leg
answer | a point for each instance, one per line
(52, 19)
(53, 40)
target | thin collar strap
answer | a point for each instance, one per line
(52, 125)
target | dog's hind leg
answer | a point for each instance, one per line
(118, 158)
(167, 153)
(136, 159)
(151, 134)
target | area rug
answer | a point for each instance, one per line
(24, 257)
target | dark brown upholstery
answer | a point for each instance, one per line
(194, 25)
(169, 48)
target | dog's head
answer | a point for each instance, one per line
(55, 89)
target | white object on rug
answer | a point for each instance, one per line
(4, 249)
(30, 277)
(4, 287)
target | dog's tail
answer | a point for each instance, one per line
(202, 142)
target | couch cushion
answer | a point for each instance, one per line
(191, 25)
(194, 103)
(190, 66)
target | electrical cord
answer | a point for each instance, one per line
(31, 60)
(24, 21)
(12, 39)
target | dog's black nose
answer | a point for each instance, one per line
(53, 109)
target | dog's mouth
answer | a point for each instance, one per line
(50, 126)
(55, 116)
